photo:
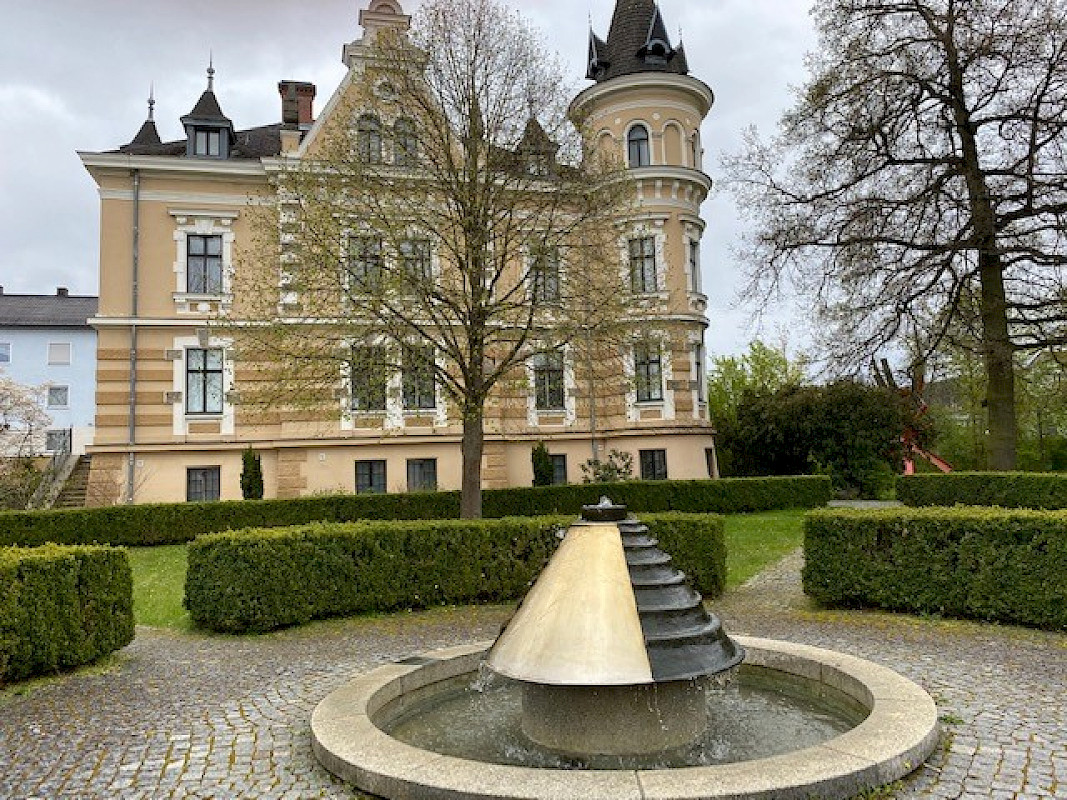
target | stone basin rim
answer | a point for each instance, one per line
(900, 732)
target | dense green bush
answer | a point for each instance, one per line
(181, 522)
(726, 496)
(846, 430)
(251, 475)
(259, 579)
(61, 607)
(981, 563)
(1006, 489)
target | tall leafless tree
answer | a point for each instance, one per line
(450, 220)
(919, 183)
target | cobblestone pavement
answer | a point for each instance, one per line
(187, 716)
(1001, 690)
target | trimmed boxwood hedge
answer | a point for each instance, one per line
(979, 563)
(61, 607)
(259, 579)
(1005, 489)
(181, 522)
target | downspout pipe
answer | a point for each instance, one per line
(131, 460)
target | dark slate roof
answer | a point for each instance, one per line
(147, 136)
(636, 27)
(261, 142)
(46, 310)
(207, 109)
(534, 139)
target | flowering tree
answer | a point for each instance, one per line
(22, 422)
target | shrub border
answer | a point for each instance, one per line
(260, 579)
(979, 563)
(174, 523)
(61, 607)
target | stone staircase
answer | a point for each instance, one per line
(73, 493)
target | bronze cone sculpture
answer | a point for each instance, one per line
(612, 644)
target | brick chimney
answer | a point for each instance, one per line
(297, 97)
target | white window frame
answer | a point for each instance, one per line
(199, 222)
(66, 397)
(667, 404)
(180, 420)
(551, 254)
(569, 411)
(646, 227)
(59, 360)
(5, 352)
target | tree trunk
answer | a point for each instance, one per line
(470, 498)
(997, 350)
(1000, 369)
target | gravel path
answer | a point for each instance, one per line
(190, 716)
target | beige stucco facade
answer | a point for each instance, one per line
(155, 206)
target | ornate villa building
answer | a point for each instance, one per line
(170, 424)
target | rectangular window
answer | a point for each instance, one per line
(422, 474)
(59, 352)
(548, 381)
(58, 396)
(701, 373)
(415, 259)
(405, 143)
(202, 484)
(57, 441)
(559, 469)
(5, 352)
(203, 267)
(365, 262)
(653, 465)
(544, 275)
(643, 265)
(369, 374)
(203, 381)
(208, 143)
(418, 378)
(694, 265)
(370, 477)
(648, 373)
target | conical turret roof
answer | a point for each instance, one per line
(207, 109)
(637, 42)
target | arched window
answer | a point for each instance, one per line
(369, 139)
(637, 146)
(405, 143)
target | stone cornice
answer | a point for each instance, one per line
(700, 91)
(172, 164)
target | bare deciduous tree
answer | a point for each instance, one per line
(449, 224)
(919, 184)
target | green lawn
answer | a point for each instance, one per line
(158, 585)
(753, 541)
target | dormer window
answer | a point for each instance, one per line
(208, 142)
(209, 132)
(657, 52)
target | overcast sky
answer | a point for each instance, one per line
(75, 75)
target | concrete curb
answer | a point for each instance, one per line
(900, 732)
